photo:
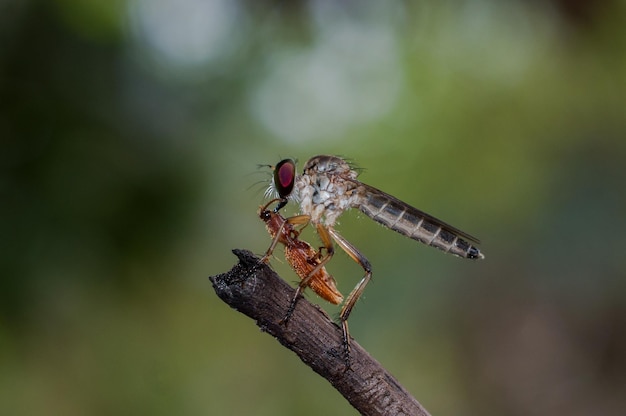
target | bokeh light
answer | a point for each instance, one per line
(130, 134)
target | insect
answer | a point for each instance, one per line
(303, 258)
(328, 186)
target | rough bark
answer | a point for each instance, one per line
(255, 290)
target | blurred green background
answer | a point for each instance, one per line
(130, 133)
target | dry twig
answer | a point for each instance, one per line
(254, 289)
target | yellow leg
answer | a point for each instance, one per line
(358, 289)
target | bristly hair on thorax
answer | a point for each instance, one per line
(352, 164)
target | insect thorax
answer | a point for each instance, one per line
(325, 196)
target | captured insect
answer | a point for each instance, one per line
(327, 187)
(303, 258)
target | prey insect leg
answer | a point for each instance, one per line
(304, 283)
(299, 219)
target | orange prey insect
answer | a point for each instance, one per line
(303, 258)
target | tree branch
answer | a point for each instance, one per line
(254, 289)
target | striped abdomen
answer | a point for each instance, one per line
(415, 224)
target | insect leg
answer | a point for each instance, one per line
(330, 250)
(296, 220)
(275, 241)
(264, 214)
(356, 255)
(302, 220)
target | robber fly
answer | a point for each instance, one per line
(302, 257)
(328, 186)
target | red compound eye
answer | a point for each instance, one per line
(284, 177)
